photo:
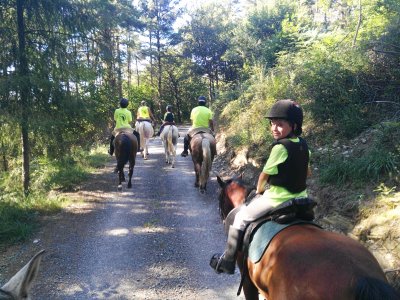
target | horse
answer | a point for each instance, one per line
(146, 131)
(170, 136)
(203, 149)
(306, 262)
(18, 287)
(125, 150)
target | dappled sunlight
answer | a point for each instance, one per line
(150, 228)
(117, 232)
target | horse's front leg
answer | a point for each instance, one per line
(250, 291)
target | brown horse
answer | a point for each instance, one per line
(307, 262)
(125, 150)
(203, 149)
(18, 287)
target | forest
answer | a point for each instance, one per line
(64, 65)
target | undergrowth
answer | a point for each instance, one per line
(18, 213)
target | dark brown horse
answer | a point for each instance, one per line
(307, 262)
(203, 149)
(125, 151)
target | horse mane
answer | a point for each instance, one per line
(369, 288)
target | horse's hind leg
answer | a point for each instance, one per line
(130, 173)
(197, 169)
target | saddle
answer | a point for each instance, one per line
(259, 233)
(291, 212)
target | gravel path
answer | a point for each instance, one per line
(153, 241)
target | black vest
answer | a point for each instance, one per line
(292, 173)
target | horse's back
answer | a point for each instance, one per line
(125, 142)
(196, 143)
(145, 128)
(305, 262)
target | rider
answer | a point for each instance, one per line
(144, 113)
(122, 118)
(168, 119)
(202, 121)
(286, 171)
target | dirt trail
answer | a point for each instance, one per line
(153, 241)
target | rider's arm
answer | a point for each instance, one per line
(262, 182)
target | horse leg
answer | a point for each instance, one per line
(250, 291)
(197, 169)
(130, 175)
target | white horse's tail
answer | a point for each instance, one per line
(206, 165)
(169, 139)
(141, 133)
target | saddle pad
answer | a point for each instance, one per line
(264, 235)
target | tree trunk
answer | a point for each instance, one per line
(24, 88)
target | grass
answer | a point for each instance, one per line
(19, 214)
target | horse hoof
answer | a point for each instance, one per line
(196, 184)
(202, 191)
(119, 187)
(129, 186)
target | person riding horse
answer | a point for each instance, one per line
(144, 113)
(286, 171)
(122, 120)
(202, 121)
(169, 119)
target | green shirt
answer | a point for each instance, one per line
(122, 118)
(143, 112)
(278, 194)
(200, 117)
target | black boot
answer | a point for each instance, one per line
(111, 150)
(185, 151)
(225, 263)
(138, 139)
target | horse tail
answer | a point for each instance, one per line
(141, 133)
(169, 139)
(206, 165)
(368, 288)
(125, 150)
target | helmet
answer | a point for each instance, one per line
(143, 103)
(123, 102)
(289, 110)
(202, 99)
(169, 106)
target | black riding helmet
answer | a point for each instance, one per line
(202, 99)
(289, 110)
(124, 102)
(169, 107)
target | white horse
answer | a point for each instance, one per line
(18, 287)
(146, 131)
(170, 136)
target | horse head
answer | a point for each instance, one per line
(233, 193)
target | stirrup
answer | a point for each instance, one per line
(220, 265)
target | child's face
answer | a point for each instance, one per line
(280, 128)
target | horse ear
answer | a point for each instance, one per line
(19, 285)
(221, 182)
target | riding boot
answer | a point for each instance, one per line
(138, 139)
(225, 263)
(185, 151)
(111, 150)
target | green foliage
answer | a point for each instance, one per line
(18, 213)
(380, 161)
